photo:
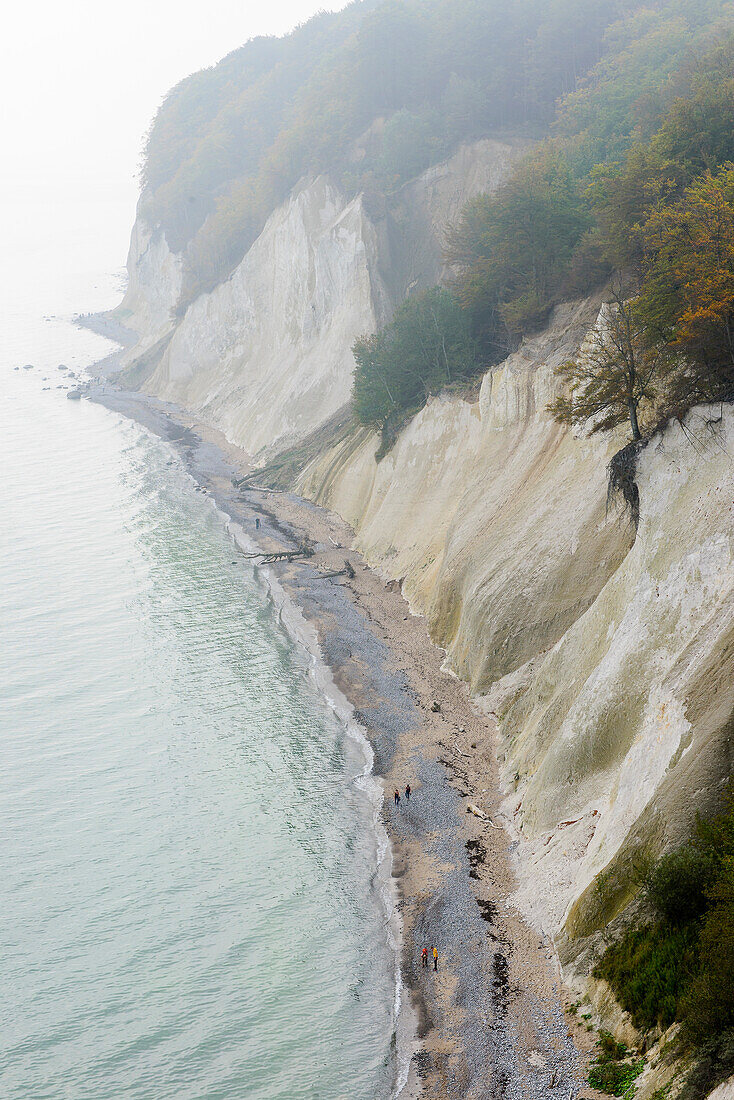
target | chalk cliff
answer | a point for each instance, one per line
(153, 287)
(604, 653)
(266, 356)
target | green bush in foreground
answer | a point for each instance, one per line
(615, 1077)
(680, 967)
(650, 969)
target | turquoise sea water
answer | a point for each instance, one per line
(190, 904)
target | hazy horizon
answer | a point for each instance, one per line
(80, 91)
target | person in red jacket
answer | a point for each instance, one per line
(424, 957)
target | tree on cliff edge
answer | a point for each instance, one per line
(614, 373)
(427, 346)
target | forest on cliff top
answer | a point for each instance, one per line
(655, 226)
(627, 105)
(376, 93)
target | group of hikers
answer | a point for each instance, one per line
(434, 950)
(424, 957)
(396, 796)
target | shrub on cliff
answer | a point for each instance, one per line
(650, 969)
(614, 1070)
(427, 346)
(615, 375)
(680, 966)
(678, 885)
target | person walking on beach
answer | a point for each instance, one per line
(407, 793)
(396, 796)
(435, 958)
(424, 958)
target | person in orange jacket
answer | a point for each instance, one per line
(424, 957)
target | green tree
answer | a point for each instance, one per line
(378, 386)
(678, 885)
(681, 967)
(708, 1008)
(427, 346)
(410, 142)
(464, 106)
(511, 249)
(621, 196)
(694, 134)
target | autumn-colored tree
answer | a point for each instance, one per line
(688, 291)
(614, 373)
(694, 134)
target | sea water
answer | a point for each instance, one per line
(190, 891)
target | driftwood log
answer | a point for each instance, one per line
(268, 557)
(347, 571)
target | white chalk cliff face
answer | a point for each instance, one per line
(422, 210)
(623, 732)
(266, 356)
(489, 512)
(154, 286)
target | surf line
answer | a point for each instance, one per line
(158, 424)
(303, 634)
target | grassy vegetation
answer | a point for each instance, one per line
(614, 1071)
(650, 970)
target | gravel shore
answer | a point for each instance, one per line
(490, 1020)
